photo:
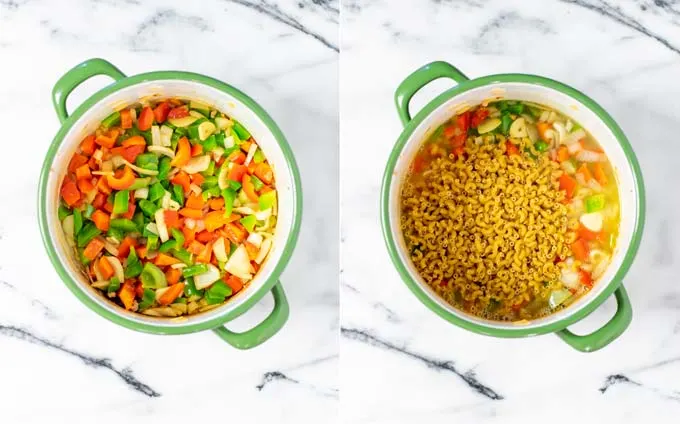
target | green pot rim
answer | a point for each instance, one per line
(519, 331)
(287, 249)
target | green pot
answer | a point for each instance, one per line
(128, 90)
(566, 100)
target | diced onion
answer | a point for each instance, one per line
(117, 161)
(569, 126)
(178, 266)
(155, 135)
(117, 268)
(220, 250)
(255, 239)
(251, 152)
(160, 223)
(544, 116)
(142, 193)
(98, 155)
(518, 128)
(263, 215)
(133, 114)
(590, 156)
(217, 153)
(195, 189)
(68, 227)
(239, 264)
(107, 166)
(200, 225)
(574, 148)
(593, 184)
(152, 228)
(560, 131)
(109, 173)
(168, 203)
(110, 246)
(97, 272)
(244, 210)
(570, 278)
(229, 142)
(568, 167)
(264, 249)
(592, 221)
(580, 179)
(162, 150)
(197, 164)
(573, 137)
(207, 278)
(166, 136)
(135, 167)
(190, 223)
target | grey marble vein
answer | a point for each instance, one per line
(615, 13)
(468, 377)
(274, 12)
(616, 379)
(272, 376)
(390, 315)
(164, 17)
(125, 374)
(46, 310)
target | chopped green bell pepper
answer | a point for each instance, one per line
(153, 277)
(147, 161)
(164, 168)
(63, 212)
(229, 196)
(267, 200)
(594, 203)
(242, 133)
(123, 224)
(192, 270)
(114, 285)
(120, 201)
(111, 120)
(257, 183)
(249, 222)
(190, 288)
(86, 234)
(149, 208)
(77, 221)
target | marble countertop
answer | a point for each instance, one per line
(403, 364)
(60, 361)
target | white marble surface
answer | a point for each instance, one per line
(403, 364)
(62, 363)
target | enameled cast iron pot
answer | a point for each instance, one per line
(128, 90)
(571, 103)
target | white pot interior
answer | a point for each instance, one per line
(570, 107)
(186, 90)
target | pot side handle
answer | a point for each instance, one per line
(420, 78)
(264, 330)
(76, 76)
(608, 333)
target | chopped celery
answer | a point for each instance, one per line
(267, 200)
(241, 132)
(249, 222)
(120, 201)
(111, 120)
(257, 183)
(594, 203)
(153, 277)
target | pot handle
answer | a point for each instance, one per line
(264, 330)
(608, 333)
(420, 78)
(76, 76)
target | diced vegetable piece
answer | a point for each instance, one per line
(558, 297)
(239, 264)
(162, 227)
(249, 222)
(207, 278)
(127, 295)
(145, 119)
(592, 221)
(594, 203)
(240, 131)
(111, 120)
(87, 234)
(120, 201)
(267, 200)
(580, 249)
(169, 294)
(193, 270)
(93, 248)
(489, 125)
(152, 277)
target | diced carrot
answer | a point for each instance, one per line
(139, 291)
(237, 172)
(165, 260)
(264, 172)
(93, 248)
(585, 172)
(124, 247)
(125, 119)
(237, 157)
(135, 140)
(463, 121)
(511, 149)
(205, 236)
(197, 179)
(108, 206)
(77, 161)
(172, 219)
(189, 235)
(99, 200)
(126, 294)
(562, 154)
(191, 213)
(599, 173)
(92, 163)
(580, 249)
(252, 166)
(88, 145)
(245, 146)
(478, 116)
(182, 178)
(568, 184)
(235, 233)
(142, 251)
(588, 235)
(161, 112)
(130, 153)
(216, 203)
(196, 247)
(103, 186)
(249, 188)
(145, 119)
(196, 150)
(586, 278)
(194, 201)
(205, 254)
(542, 127)
(70, 192)
(101, 220)
(105, 141)
(172, 293)
(105, 267)
(172, 275)
(85, 186)
(235, 283)
(214, 220)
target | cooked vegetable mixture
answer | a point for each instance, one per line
(510, 211)
(170, 206)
